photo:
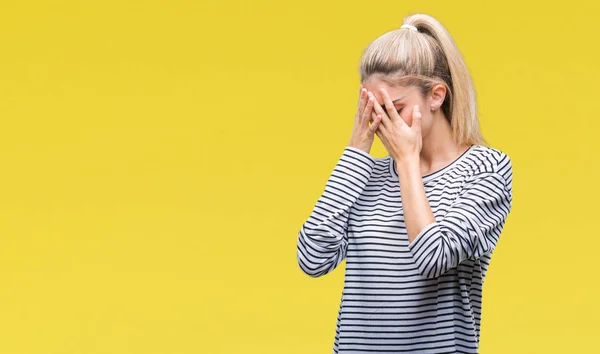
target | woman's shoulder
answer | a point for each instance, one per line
(487, 159)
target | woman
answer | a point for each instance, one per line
(418, 227)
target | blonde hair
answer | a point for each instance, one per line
(409, 58)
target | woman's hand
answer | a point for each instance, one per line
(401, 140)
(363, 133)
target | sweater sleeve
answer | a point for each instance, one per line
(323, 239)
(470, 228)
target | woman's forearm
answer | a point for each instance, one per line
(417, 212)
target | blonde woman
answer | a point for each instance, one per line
(418, 227)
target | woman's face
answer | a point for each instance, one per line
(404, 99)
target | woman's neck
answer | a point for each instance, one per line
(439, 149)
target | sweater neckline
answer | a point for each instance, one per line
(428, 177)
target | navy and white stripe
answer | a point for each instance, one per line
(422, 297)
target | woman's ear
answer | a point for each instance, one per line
(438, 94)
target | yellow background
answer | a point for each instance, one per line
(159, 157)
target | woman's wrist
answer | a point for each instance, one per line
(408, 163)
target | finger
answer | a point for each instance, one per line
(362, 98)
(367, 110)
(376, 106)
(389, 106)
(416, 119)
(373, 127)
(377, 110)
(380, 130)
(382, 127)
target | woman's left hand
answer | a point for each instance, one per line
(401, 140)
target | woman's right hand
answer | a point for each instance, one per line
(363, 133)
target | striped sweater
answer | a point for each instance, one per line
(422, 297)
